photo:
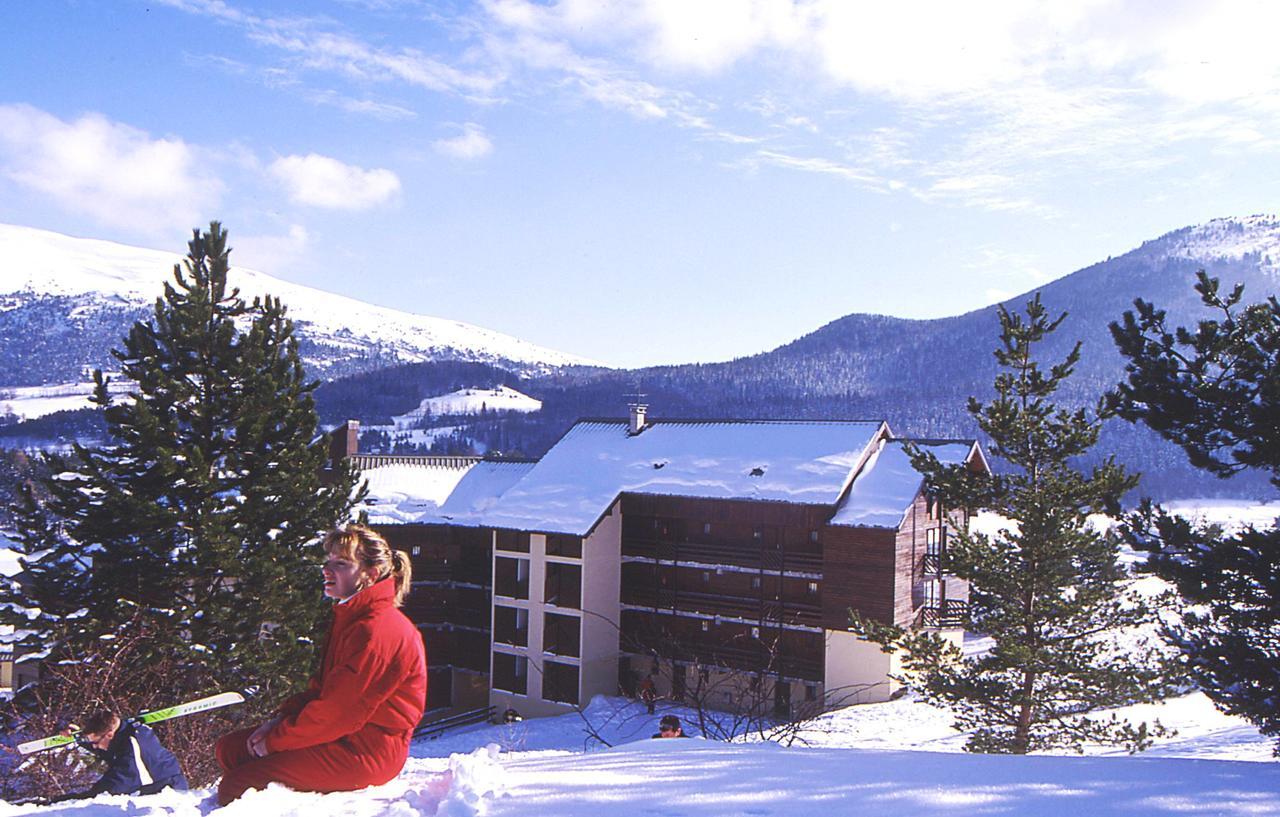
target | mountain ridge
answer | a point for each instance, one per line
(101, 287)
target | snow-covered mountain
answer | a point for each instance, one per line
(64, 302)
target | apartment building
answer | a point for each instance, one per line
(712, 559)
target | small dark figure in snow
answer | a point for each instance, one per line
(669, 727)
(511, 716)
(648, 693)
(136, 762)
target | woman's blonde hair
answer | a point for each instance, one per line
(370, 551)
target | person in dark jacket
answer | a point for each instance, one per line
(136, 762)
(352, 726)
(669, 727)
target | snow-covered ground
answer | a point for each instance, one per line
(468, 401)
(1230, 513)
(30, 402)
(895, 757)
(867, 760)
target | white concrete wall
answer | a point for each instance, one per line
(856, 671)
(601, 607)
(599, 620)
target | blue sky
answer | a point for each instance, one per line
(649, 181)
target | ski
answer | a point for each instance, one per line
(154, 716)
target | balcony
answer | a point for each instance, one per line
(755, 657)
(750, 554)
(433, 571)
(751, 608)
(934, 563)
(946, 615)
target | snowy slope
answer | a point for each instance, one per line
(29, 402)
(468, 401)
(100, 275)
(1231, 239)
(538, 769)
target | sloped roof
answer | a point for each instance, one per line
(402, 493)
(884, 489)
(573, 485)
(479, 490)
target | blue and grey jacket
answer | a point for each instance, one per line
(137, 763)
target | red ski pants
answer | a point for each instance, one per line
(369, 757)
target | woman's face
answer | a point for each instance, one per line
(342, 577)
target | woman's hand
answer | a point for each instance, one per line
(257, 742)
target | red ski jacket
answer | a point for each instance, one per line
(374, 672)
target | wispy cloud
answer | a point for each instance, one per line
(824, 166)
(115, 173)
(322, 181)
(311, 46)
(985, 110)
(471, 143)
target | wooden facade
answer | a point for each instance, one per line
(451, 603)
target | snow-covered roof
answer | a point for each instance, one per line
(884, 489)
(479, 490)
(401, 493)
(571, 487)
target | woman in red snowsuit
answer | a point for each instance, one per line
(351, 727)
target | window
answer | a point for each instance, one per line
(563, 586)
(931, 594)
(757, 534)
(706, 528)
(813, 588)
(706, 626)
(813, 536)
(511, 577)
(510, 673)
(561, 635)
(755, 582)
(511, 625)
(706, 577)
(417, 550)
(561, 545)
(515, 541)
(755, 633)
(560, 682)
(811, 692)
(933, 538)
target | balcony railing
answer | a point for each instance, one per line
(949, 613)
(432, 572)
(752, 608)
(757, 658)
(741, 555)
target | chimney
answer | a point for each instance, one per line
(344, 441)
(638, 420)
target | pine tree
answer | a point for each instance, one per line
(1215, 391)
(1049, 590)
(198, 521)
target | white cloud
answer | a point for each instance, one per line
(321, 181)
(472, 143)
(271, 253)
(115, 173)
